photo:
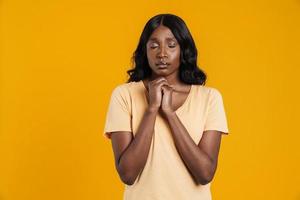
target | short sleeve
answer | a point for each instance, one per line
(118, 116)
(216, 117)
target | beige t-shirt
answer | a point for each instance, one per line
(165, 176)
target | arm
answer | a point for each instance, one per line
(201, 160)
(131, 153)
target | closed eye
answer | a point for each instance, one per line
(154, 46)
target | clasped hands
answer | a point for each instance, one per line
(160, 95)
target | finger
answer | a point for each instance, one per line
(160, 81)
(167, 89)
(160, 78)
(168, 86)
(156, 82)
(161, 84)
(164, 89)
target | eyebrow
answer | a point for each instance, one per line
(168, 38)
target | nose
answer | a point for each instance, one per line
(162, 52)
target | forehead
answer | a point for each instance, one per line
(162, 33)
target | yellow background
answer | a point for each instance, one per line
(60, 61)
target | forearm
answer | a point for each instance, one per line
(135, 156)
(200, 165)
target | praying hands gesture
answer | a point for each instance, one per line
(160, 95)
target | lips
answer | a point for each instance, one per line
(162, 65)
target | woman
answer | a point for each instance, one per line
(164, 124)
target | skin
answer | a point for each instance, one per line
(166, 93)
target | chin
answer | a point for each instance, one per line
(161, 73)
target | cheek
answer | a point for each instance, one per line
(150, 58)
(175, 56)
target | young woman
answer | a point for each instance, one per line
(164, 124)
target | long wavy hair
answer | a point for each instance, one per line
(188, 70)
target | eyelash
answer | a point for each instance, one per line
(170, 46)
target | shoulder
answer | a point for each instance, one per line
(124, 89)
(207, 91)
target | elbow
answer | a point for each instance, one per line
(205, 178)
(126, 176)
(128, 180)
(207, 175)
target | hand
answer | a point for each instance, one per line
(166, 105)
(155, 92)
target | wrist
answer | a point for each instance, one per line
(169, 112)
(152, 109)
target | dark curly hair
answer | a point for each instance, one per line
(188, 70)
